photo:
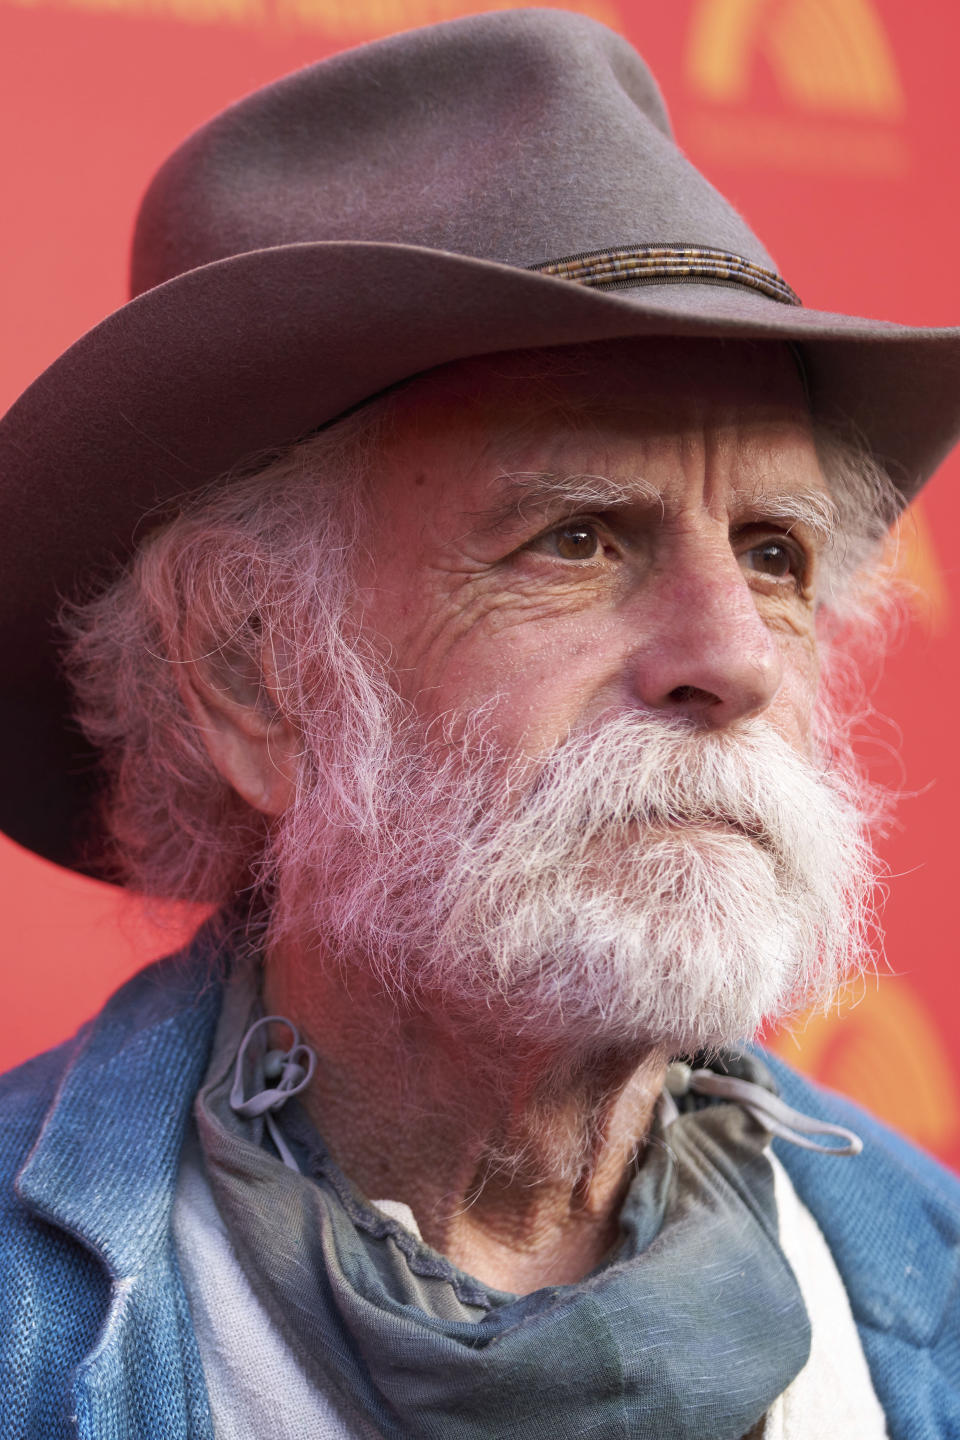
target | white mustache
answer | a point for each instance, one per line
(641, 771)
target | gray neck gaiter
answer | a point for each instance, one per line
(691, 1329)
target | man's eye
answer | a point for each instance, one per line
(776, 559)
(577, 541)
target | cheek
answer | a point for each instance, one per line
(536, 680)
(797, 697)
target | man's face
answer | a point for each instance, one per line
(637, 529)
(601, 819)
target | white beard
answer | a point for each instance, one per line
(647, 884)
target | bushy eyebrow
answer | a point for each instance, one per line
(814, 510)
(535, 496)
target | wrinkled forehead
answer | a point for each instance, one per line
(598, 405)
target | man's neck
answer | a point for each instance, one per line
(515, 1166)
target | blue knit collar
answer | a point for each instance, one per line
(104, 1166)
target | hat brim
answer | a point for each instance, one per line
(250, 352)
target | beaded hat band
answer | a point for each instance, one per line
(667, 265)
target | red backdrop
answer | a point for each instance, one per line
(831, 123)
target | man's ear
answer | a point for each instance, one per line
(236, 709)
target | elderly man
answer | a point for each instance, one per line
(477, 522)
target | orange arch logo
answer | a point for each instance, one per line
(827, 55)
(917, 566)
(885, 1051)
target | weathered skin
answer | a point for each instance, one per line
(695, 593)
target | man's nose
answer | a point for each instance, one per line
(707, 652)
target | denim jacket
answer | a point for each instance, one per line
(97, 1340)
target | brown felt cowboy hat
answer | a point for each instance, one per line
(499, 182)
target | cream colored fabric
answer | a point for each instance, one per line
(833, 1397)
(257, 1389)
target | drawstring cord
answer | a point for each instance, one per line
(292, 1069)
(765, 1107)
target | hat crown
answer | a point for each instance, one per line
(515, 136)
